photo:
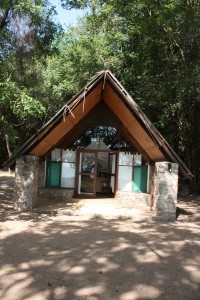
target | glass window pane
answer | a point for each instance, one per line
(87, 161)
(56, 155)
(112, 163)
(125, 159)
(137, 160)
(125, 178)
(68, 156)
(102, 164)
(86, 184)
(68, 175)
(112, 183)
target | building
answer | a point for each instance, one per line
(99, 143)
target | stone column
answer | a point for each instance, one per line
(26, 183)
(165, 190)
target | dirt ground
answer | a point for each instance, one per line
(97, 251)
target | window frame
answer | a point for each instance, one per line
(60, 162)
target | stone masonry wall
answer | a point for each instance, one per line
(151, 177)
(131, 198)
(41, 174)
(165, 190)
(26, 183)
(55, 194)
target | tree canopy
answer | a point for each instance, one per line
(27, 36)
(153, 47)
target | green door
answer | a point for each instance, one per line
(140, 179)
(136, 178)
(143, 186)
(53, 174)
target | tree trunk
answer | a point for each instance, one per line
(193, 150)
(8, 145)
(4, 19)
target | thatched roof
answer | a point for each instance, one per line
(102, 101)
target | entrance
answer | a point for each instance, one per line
(96, 173)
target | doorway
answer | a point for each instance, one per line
(96, 173)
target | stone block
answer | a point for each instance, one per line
(41, 177)
(165, 190)
(26, 183)
(132, 199)
(166, 167)
(55, 194)
(166, 203)
(165, 216)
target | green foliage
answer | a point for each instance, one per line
(27, 24)
(27, 36)
(154, 49)
(70, 4)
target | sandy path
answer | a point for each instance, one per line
(97, 257)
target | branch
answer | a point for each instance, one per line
(177, 45)
(8, 144)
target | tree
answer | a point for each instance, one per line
(153, 47)
(27, 36)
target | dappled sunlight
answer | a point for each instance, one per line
(77, 270)
(141, 291)
(120, 247)
(80, 257)
(147, 257)
(98, 254)
(90, 290)
(105, 265)
(194, 271)
(39, 263)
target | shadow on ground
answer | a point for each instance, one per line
(100, 258)
(97, 258)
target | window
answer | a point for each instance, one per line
(125, 171)
(132, 175)
(61, 169)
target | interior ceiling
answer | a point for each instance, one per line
(101, 115)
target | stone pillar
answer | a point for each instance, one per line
(26, 183)
(41, 176)
(165, 190)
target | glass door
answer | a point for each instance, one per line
(87, 173)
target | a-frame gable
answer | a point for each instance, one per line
(135, 127)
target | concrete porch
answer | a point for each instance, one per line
(118, 207)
